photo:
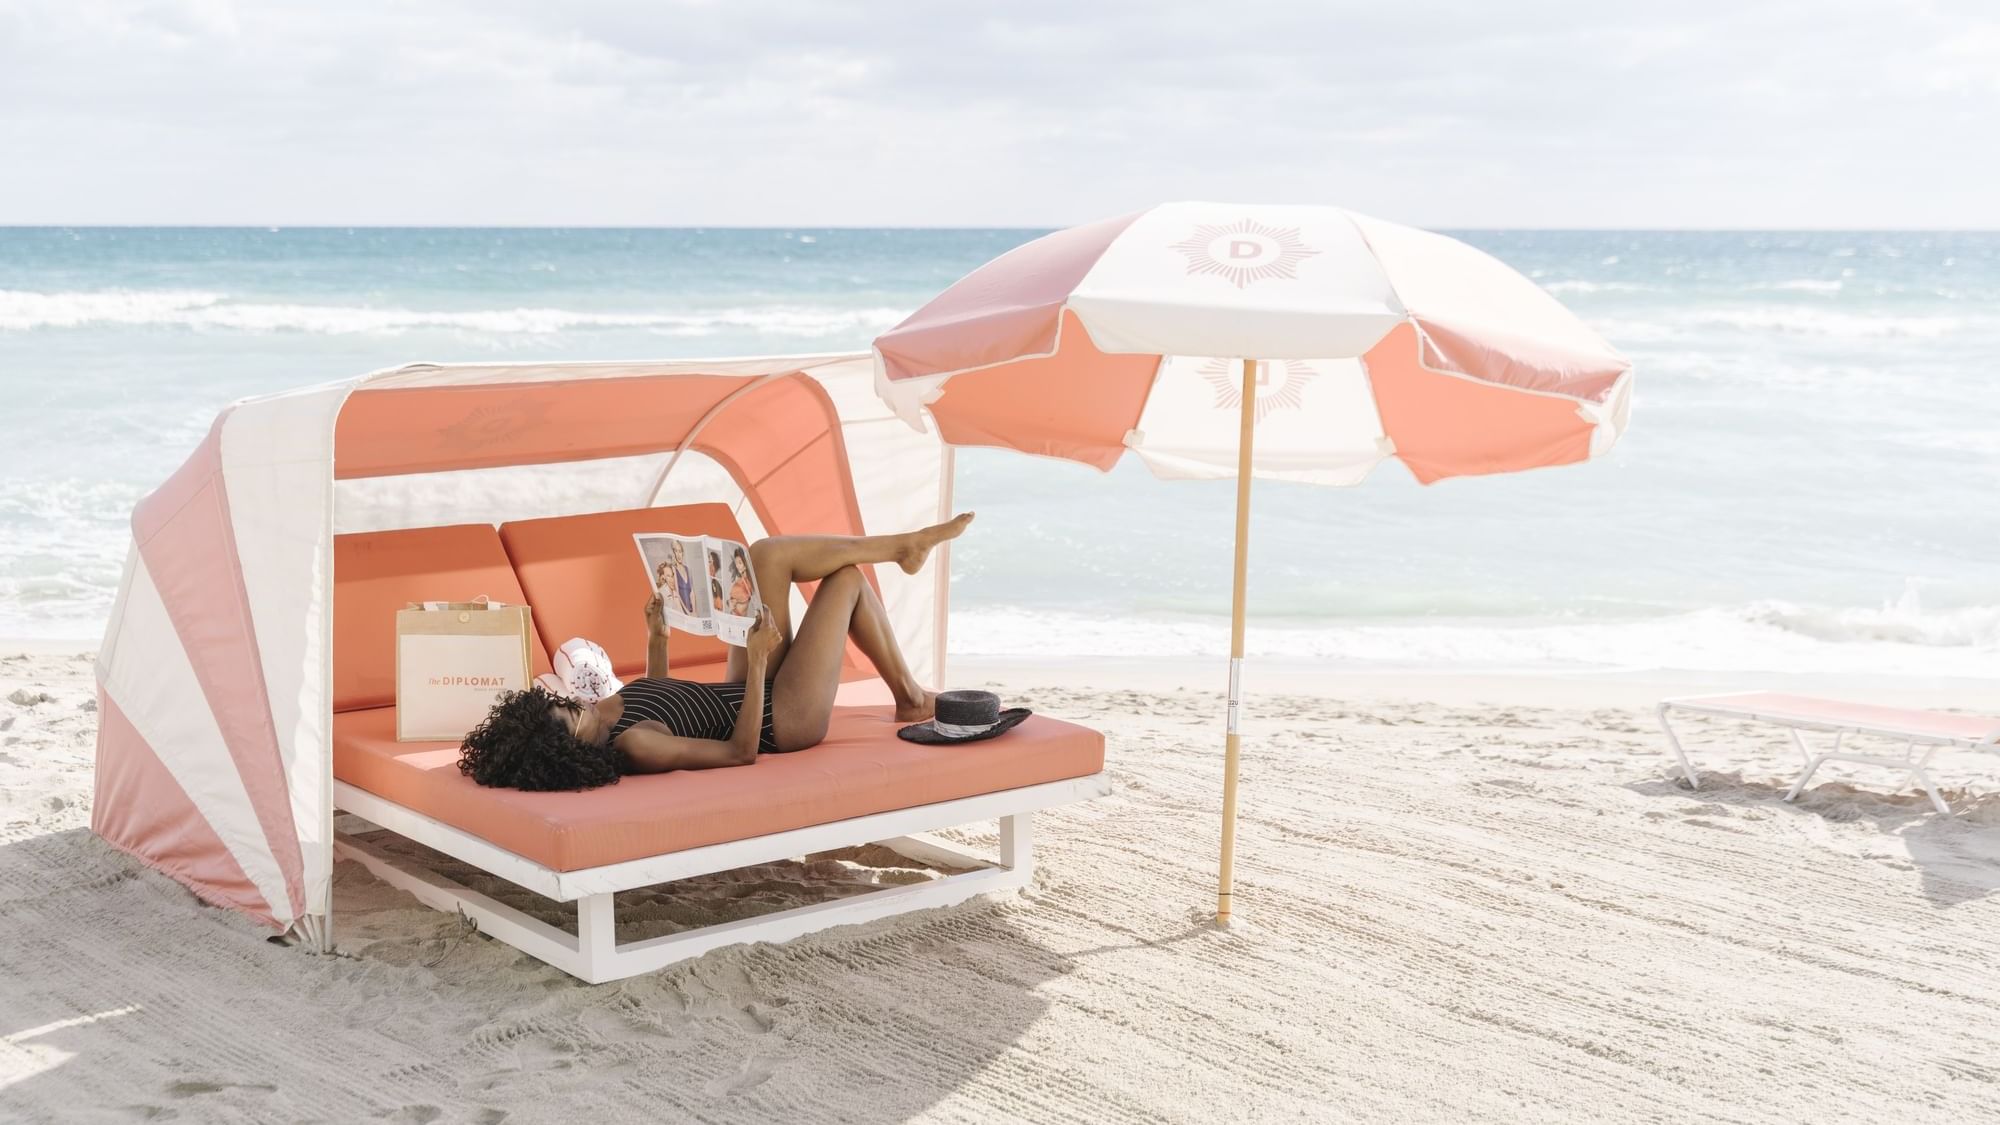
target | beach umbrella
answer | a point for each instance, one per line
(1300, 343)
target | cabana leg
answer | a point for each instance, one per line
(315, 932)
(596, 936)
(594, 954)
(1017, 844)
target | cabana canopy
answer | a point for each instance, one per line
(213, 759)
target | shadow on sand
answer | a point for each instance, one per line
(124, 998)
(1958, 856)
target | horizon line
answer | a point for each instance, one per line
(319, 226)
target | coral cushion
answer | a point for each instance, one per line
(861, 768)
(377, 573)
(584, 578)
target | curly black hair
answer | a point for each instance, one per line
(523, 745)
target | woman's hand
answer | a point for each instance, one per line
(763, 640)
(656, 638)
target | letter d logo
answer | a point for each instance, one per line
(1244, 248)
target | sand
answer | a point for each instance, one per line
(1463, 898)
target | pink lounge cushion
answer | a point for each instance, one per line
(379, 572)
(1833, 712)
(861, 768)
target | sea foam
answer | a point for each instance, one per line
(193, 309)
(1766, 636)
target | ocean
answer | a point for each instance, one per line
(1811, 482)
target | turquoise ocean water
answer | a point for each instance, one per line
(1812, 480)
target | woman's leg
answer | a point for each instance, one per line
(871, 632)
(809, 558)
(783, 560)
(802, 691)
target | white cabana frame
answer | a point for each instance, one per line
(593, 953)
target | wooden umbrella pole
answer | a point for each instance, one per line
(1232, 743)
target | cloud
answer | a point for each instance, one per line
(1555, 113)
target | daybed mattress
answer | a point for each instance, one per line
(861, 768)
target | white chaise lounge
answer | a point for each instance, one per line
(1921, 733)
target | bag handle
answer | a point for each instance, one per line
(480, 602)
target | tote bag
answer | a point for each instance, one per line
(453, 659)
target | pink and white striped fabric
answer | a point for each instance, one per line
(211, 748)
(1374, 341)
(215, 675)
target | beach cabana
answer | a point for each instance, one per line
(247, 669)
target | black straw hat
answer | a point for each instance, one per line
(964, 716)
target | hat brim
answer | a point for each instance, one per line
(927, 733)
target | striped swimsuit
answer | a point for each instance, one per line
(690, 710)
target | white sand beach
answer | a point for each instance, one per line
(1462, 897)
(1476, 376)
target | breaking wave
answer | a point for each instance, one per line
(1766, 636)
(1820, 322)
(25, 311)
(1800, 285)
(1575, 285)
(1793, 322)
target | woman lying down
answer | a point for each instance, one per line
(776, 698)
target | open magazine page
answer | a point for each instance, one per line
(732, 589)
(705, 584)
(674, 565)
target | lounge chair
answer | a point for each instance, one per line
(1922, 733)
(861, 785)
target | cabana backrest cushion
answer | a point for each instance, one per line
(379, 572)
(583, 577)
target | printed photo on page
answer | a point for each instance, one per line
(705, 583)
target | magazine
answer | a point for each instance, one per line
(706, 584)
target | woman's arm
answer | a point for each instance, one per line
(656, 639)
(757, 649)
(648, 748)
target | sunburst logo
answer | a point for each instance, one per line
(1273, 393)
(491, 425)
(1244, 252)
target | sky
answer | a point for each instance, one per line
(1537, 113)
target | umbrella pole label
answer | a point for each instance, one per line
(1235, 689)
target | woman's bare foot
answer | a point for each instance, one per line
(922, 707)
(918, 543)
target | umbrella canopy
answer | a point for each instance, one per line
(1374, 340)
(1217, 340)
